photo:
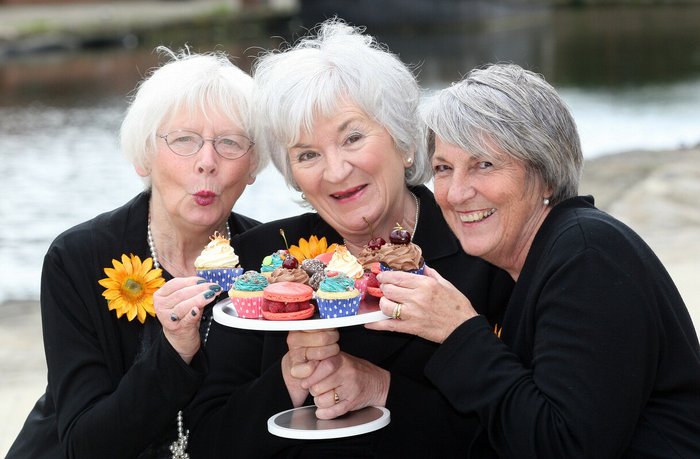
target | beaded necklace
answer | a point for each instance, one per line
(178, 448)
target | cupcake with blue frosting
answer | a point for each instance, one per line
(337, 296)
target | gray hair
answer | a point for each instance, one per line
(309, 79)
(206, 82)
(503, 108)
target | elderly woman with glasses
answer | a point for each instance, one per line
(596, 356)
(338, 113)
(123, 360)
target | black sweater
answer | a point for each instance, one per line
(598, 356)
(114, 386)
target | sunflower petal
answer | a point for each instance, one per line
(321, 246)
(297, 253)
(305, 248)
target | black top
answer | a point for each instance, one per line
(598, 356)
(116, 385)
(245, 385)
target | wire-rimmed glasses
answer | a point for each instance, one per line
(188, 143)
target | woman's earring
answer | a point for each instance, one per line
(546, 201)
(409, 160)
(303, 196)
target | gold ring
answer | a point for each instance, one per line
(397, 311)
(336, 398)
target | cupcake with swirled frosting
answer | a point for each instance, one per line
(272, 262)
(344, 262)
(218, 262)
(337, 296)
(400, 254)
(247, 294)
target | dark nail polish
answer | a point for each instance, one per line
(201, 281)
(216, 288)
(194, 313)
(209, 294)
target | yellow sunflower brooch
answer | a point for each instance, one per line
(130, 286)
(311, 248)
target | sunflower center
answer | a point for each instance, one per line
(132, 288)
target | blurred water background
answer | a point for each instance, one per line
(631, 76)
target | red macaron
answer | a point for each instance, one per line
(287, 301)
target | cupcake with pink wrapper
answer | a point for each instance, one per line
(247, 294)
(337, 296)
(218, 262)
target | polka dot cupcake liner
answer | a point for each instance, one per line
(329, 309)
(384, 267)
(222, 276)
(248, 308)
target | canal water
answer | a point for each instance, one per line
(631, 77)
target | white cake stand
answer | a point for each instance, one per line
(302, 423)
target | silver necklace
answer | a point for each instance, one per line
(178, 448)
(152, 245)
(415, 225)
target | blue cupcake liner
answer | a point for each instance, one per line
(331, 308)
(222, 276)
(385, 267)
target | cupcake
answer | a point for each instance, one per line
(287, 301)
(400, 254)
(272, 262)
(218, 262)
(344, 262)
(247, 294)
(289, 272)
(337, 296)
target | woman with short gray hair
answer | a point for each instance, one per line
(596, 355)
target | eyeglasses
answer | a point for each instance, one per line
(187, 143)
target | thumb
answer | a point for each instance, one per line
(430, 272)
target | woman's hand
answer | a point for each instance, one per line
(346, 383)
(308, 354)
(427, 305)
(178, 306)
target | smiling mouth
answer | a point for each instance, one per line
(348, 193)
(476, 216)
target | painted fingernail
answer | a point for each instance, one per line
(194, 313)
(208, 294)
(201, 281)
(216, 288)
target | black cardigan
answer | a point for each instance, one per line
(598, 356)
(245, 385)
(116, 385)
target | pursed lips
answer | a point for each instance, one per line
(204, 197)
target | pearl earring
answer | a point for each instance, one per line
(303, 196)
(546, 201)
(409, 160)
